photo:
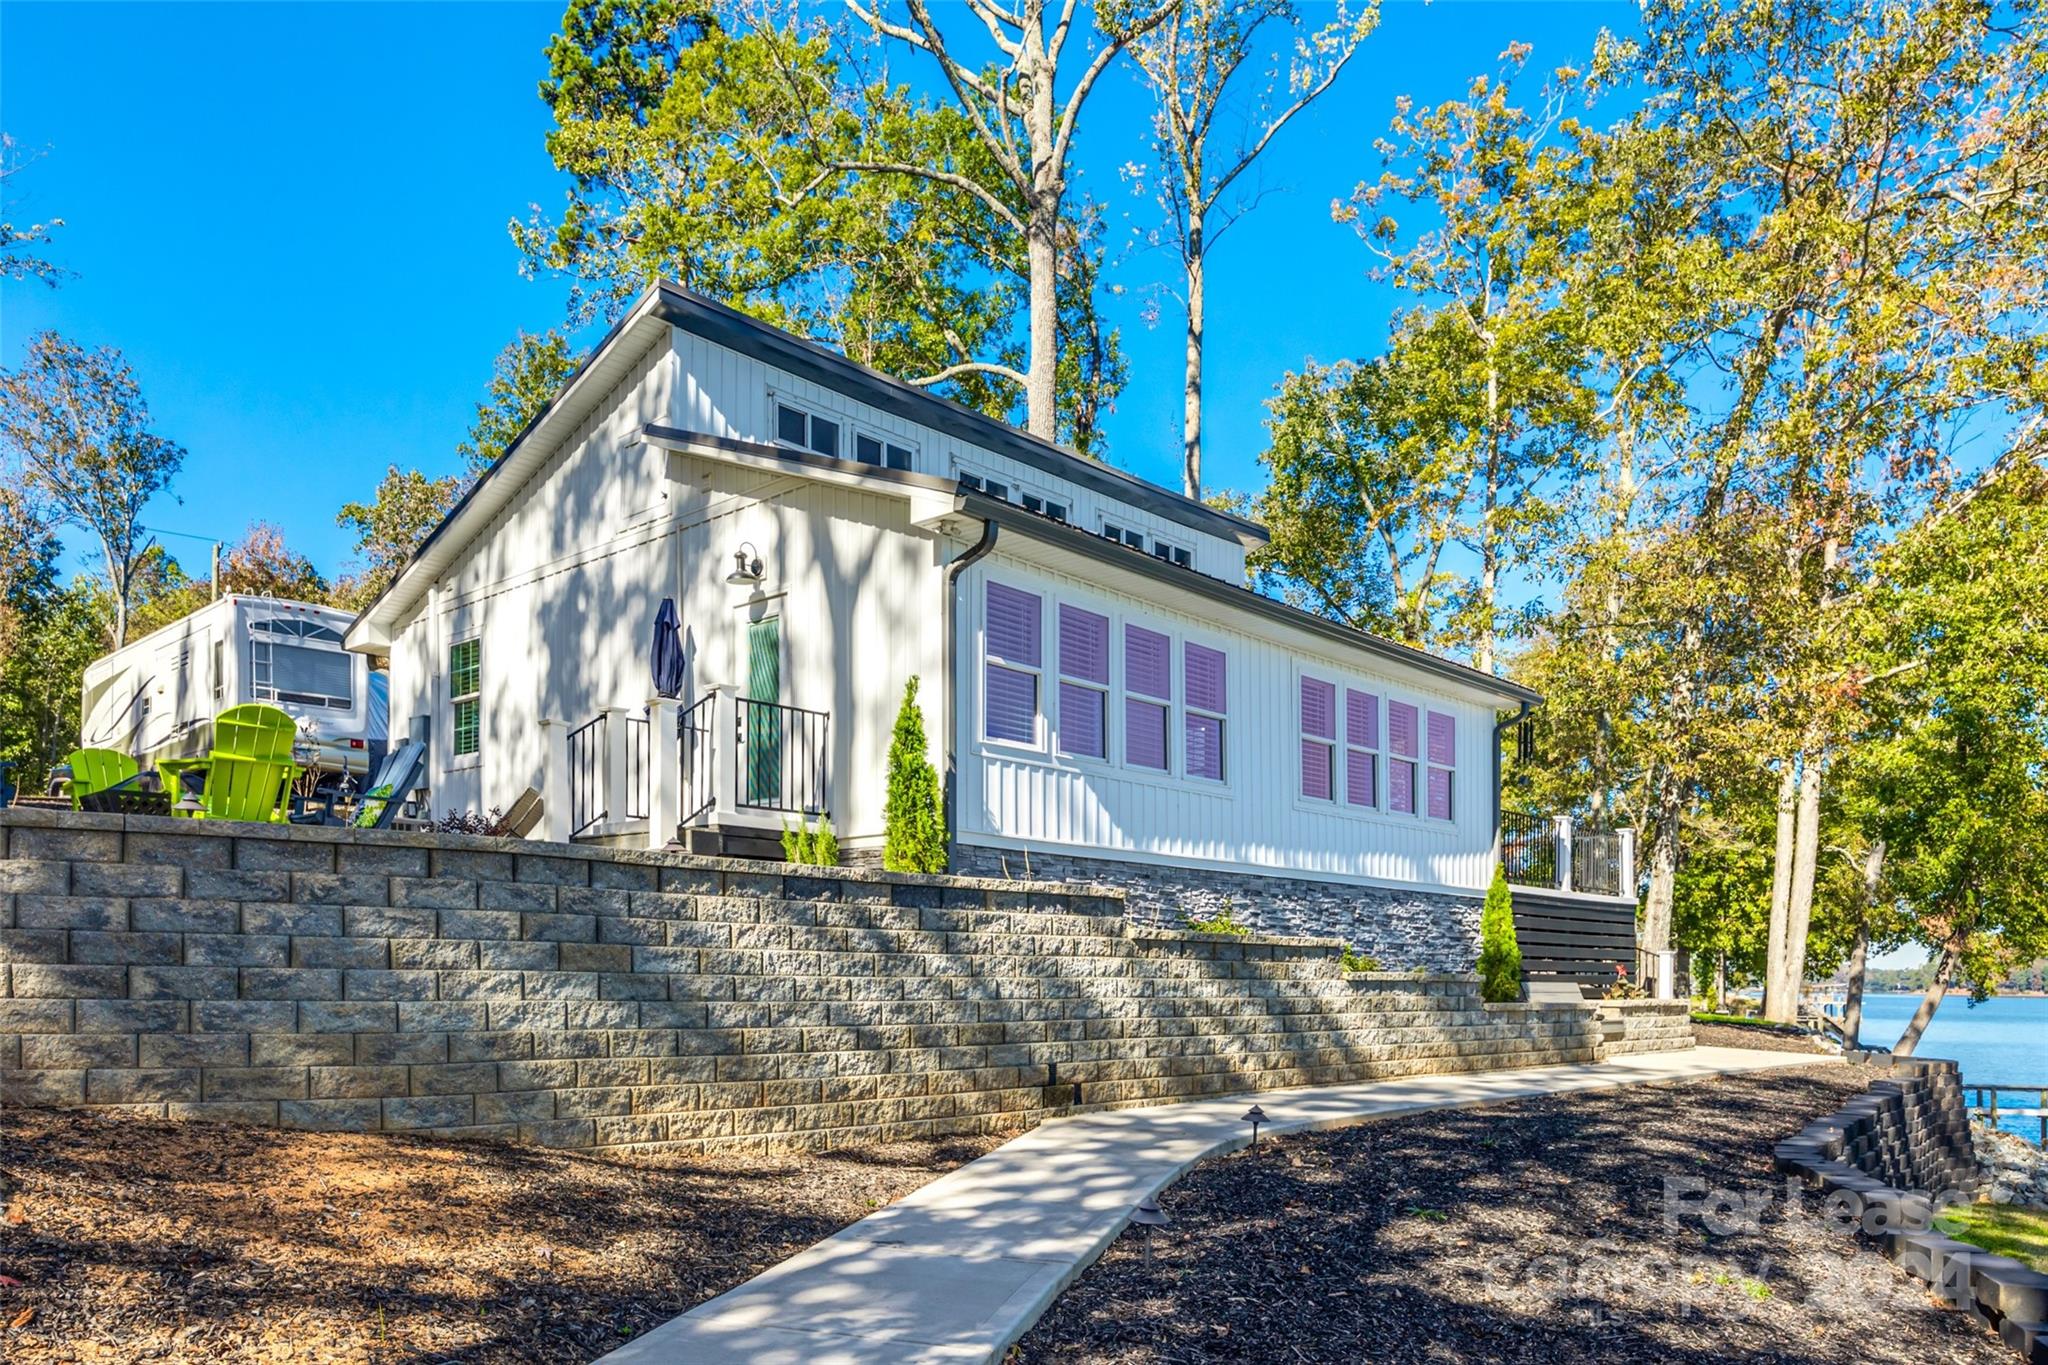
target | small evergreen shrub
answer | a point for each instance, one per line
(913, 823)
(1500, 957)
(805, 846)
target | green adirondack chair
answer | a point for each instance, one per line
(249, 771)
(95, 770)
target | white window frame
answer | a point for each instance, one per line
(1450, 771)
(1188, 708)
(777, 402)
(1107, 689)
(1334, 744)
(1041, 725)
(1180, 556)
(887, 443)
(457, 757)
(1027, 496)
(1371, 753)
(1116, 529)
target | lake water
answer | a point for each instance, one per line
(2005, 1039)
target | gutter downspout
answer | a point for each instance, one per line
(979, 550)
(1500, 729)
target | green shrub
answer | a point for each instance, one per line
(1500, 957)
(1351, 960)
(804, 846)
(1222, 922)
(913, 822)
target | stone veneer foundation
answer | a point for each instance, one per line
(634, 1001)
(1402, 930)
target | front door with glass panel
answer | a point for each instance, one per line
(764, 722)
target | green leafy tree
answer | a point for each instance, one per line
(1952, 776)
(77, 430)
(42, 676)
(389, 528)
(528, 374)
(914, 824)
(759, 160)
(260, 564)
(1500, 956)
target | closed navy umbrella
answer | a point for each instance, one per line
(667, 655)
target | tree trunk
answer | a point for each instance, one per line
(1191, 398)
(1944, 973)
(1041, 246)
(1664, 831)
(1489, 535)
(1852, 1003)
(1799, 897)
(1859, 955)
(1721, 981)
(1781, 879)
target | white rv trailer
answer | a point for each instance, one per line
(156, 697)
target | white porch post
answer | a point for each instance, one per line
(664, 768)
(615, 765)
(724, 751)
(1627, 859)
(554, 781)
(1563, 825)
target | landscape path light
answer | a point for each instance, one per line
(1255, 1116)
(1148, 1215)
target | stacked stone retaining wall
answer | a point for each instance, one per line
(583, 997)
(1633, 1026)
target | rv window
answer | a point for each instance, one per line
(219, 673)
(300, 674)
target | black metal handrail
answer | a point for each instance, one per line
(586, 775)
(1596, 862)
(637, 735)
(780, 756)
(1528, 848)
(699, 771)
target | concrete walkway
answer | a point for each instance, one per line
(960, 1269)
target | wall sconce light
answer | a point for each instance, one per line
(746, 564)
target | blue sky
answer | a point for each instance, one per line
(292, 220)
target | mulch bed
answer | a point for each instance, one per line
(1759, 1037)
(138, 1239)
(1534, 1231)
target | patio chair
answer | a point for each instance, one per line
(249, 770)
(95, 770)
(386, 793)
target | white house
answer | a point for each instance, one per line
(1105, 697)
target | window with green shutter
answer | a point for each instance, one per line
(465, 688)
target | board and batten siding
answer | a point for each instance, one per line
(1256, 819)
(721, 392)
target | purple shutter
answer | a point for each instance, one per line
(1148, 664)
(1401, 786)
(1443, 739)
(1359, 786)
(1144, 734)
(1205, 747)
(1315, 769)
(1401, 730)
(1206, 680)
(1084, 644)
(1013, 625)
(1439, 793)
(1012, 705)
(1081, 720)
(1318, 708)
(1361, 719)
